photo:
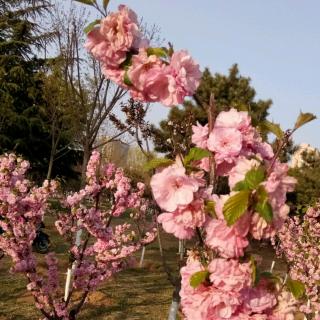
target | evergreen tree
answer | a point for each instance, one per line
(24, 126)
(232, 90)
(307, 190)
(21, 127)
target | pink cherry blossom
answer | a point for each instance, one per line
(148, 75)
(154, 81)
(239, 120)
(230, 275)
(260, 229)
(200, 135)
(259, 299)
(286, 307)
(228, 241)
(298, 243)
(97, 45)
(205, 302)
(226, 143)
(120, 29)
(149, 78)
(172, 187)
(186, 71)
(183, 222)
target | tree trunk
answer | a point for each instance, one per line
(86, 155)
(49, 172)
(175, 303)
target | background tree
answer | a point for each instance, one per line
(98, 100)
(63, 120)
(307, 190)
(232, 90)
(24, 126)
(93, 97)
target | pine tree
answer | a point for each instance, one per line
(22, 126)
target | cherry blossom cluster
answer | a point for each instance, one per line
(218, 281)
(105, 247)
(228, 292)
(22, 208)
(150, 74)
(299, 244)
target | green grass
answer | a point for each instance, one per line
(139, 293)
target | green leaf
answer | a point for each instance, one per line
(254, 177)
(296, 287)
(265, 211)
(252, 180)
(236, 206)
(88, 2)
(273, 128)
(159, 52)
(198, 278)
(158, 162)
(262, 194)
(105, 4)
(210, 208)
(91, 26)
(303, 119)
(126, 79)
(262, 206)
(241, 185)
(196, 154)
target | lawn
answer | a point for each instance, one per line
(139, 293)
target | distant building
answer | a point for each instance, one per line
(116, 152)
(297, 160)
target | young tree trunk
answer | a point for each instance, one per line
(86, 156)
(174, 308)
(50, 166)
(85, 160)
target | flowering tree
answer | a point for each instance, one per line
(106, 248)
(299, 244)
(220, 280)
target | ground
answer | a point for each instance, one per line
(135, 294)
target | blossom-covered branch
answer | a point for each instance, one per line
(149, 74)
(220, 280)
(106, 248)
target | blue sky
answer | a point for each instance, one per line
(276, 43)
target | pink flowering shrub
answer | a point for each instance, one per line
(150, 74)
(22, 208)
(106, 247)
(220, 280)
(298, 242)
